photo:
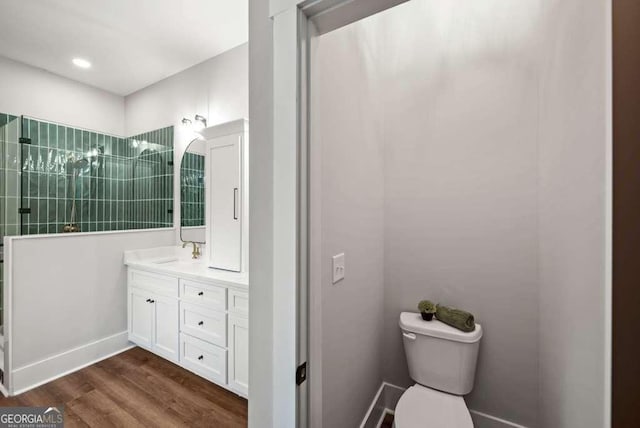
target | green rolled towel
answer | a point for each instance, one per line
(456, 318)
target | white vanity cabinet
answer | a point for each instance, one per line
(200, 324)
(153, 313)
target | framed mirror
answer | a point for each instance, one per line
(192, 192)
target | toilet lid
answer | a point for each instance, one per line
(420, 406)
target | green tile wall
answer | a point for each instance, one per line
(120, 184)
(192, 203)
(151, 180)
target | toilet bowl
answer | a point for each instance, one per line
(420, 407)
(442, 360)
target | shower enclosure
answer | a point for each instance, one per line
(56, 178)
(106, 182)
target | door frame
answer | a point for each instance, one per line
(295, 302)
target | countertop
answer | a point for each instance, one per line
(176, 261)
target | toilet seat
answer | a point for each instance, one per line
(420, 406)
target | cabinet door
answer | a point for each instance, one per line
(165, 342)
(225, 209)
(140, 317)
(239, 354)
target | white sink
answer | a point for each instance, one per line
(164, 261)
(180, 263)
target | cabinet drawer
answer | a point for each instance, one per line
(203, 358)
(204, 323)
(211, 296)
(161, 284)
(239, 302)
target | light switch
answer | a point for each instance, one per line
(338, 267)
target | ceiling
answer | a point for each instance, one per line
(130, 43)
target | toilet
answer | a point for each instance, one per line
(442, 362)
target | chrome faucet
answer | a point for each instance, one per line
(196, 250)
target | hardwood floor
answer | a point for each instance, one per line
(137, 389)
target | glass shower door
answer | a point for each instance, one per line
(45, 194)
(9, 187)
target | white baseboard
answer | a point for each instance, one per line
(35, 374)
(375, 411)
(387, 398)
(482, 420)
(384, 401)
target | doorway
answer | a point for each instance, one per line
(292, 30)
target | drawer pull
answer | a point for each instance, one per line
(201, 293)
(201, 357)
(148, 300)
(201, 322)
(152, 301)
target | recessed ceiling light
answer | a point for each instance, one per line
(82, 63)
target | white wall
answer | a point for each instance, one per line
(460, 89)
(29, 91)
(346, 104)
(261, 321)
(457, 161)
(574, 140)
(495, 148)
(67, 292)
(217, 89)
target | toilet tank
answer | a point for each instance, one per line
(439, 356)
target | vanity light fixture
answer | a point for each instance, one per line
(201, 122)
(81, 63)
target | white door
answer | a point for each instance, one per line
(140, 317)
(225, 216)
(239, 354)
(165, 341)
